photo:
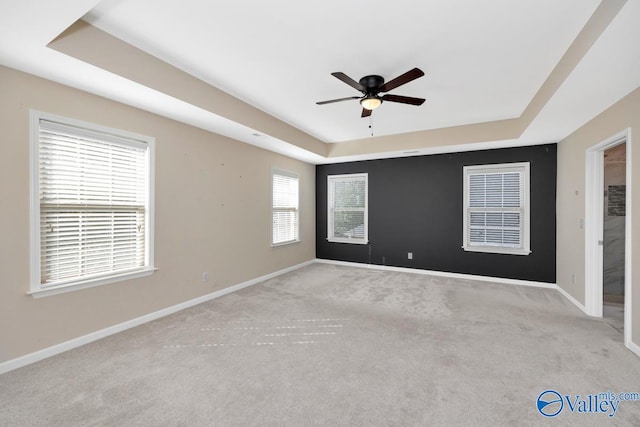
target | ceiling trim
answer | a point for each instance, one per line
(502, 130)
(590, 33)
(91, 45)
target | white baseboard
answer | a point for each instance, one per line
(442, 274)
(574, 301)
(94, 336)
(634, 348)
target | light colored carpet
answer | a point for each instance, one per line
(337, 346)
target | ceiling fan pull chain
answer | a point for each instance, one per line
(371, 124)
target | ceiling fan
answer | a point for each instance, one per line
(371, 88)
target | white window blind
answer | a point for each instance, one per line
(284, 210)
(347, 205)
(496, 208)
(93, 203)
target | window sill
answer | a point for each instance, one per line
(351, 241)
(496, 250)
(89, 283)
(288, 242)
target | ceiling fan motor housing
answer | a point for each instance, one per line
(372, 84)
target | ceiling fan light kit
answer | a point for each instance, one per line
(370, 102)
(371, 86)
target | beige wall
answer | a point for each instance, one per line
(212, 214)
(571, 201)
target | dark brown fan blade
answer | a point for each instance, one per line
(348, 80)
(403, 79)
(365, 113)
(337, 100)
(403, 99)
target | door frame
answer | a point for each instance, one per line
(594, 229)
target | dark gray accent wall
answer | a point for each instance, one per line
(415, 205)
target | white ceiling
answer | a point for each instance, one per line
(484, 60)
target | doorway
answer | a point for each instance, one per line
(614, 213)
(596, 212)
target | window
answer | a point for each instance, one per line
(496, 208)
(347, 208)
(284, 207)
(92, 200)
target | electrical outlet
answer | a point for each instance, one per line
(205, 276)
(409, 255)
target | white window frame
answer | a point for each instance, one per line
(523, 168)
(295, 209)
(331, 180)
(36, 288)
